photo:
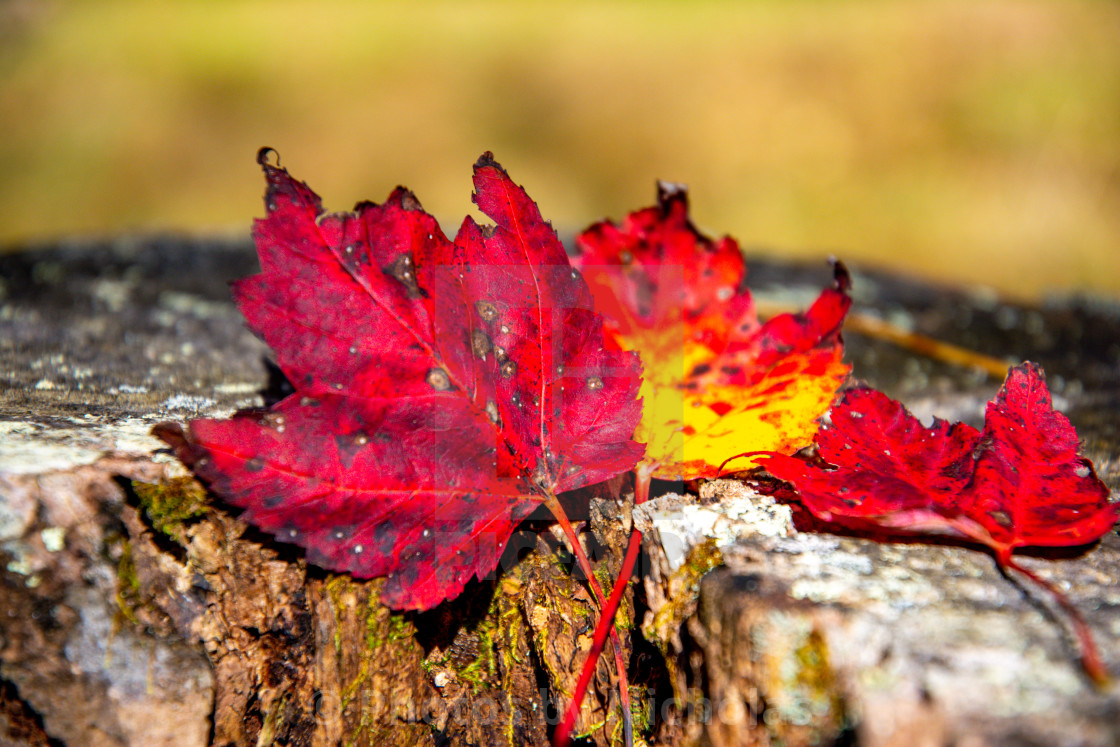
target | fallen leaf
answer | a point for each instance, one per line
(716, 377)
(443, 389)
(1017, 483)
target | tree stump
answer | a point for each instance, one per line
(137, 609)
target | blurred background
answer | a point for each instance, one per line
(968, 141)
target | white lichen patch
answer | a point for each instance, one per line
(188, 402)
(133, 435)
(196, 306)
(30, 448)
(115, 294)
(54, 538)
(20, 565)
(238, 387)
(679, 523)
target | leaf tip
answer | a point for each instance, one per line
(669, 193)
(487, 159)
(841, 278)
(265, 155)
(173, 435)
(408, 201)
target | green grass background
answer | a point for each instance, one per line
(968, 141)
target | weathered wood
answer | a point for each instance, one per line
(152, 615)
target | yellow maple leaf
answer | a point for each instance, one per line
(718, 382)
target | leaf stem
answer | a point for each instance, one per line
(642, 477)
(562, 736)
(719, 472)
(1090, 657)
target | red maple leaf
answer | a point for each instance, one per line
(1017, 483)
(443, 389)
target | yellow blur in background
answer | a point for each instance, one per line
(969, 142)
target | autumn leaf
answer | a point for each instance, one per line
(443, 389)
(1017, 483)
(716, 378)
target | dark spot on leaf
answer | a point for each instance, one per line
(594, 383)
(486, 310)
(480, 343)
(402, 270)
(700, 369)
(1001, 517)
(508, 369)
(254, 465)
(438, 379)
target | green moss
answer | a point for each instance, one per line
(355, 686)
(640, 711)
(590, 730)
(684, 586)
(817, 681)
(335, 586)
(400, 628)
(128, 583)
(170, 504)
(500, 631)
(388, 639)
(273, 720)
